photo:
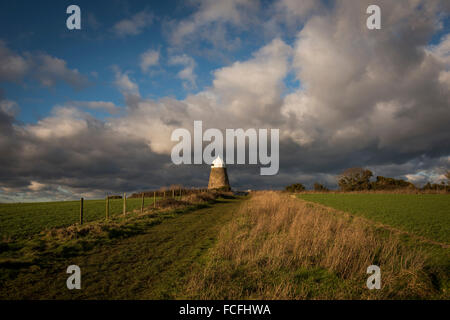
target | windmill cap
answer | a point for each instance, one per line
(218, 163)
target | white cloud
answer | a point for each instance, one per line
(64, 123)
(441, 52)
(36, 186)
(125, 84)
(294, 9)
(149, 59)
(254, 86)
(134, 25)
(187, 73)
(212, 18)
(442, 49)
(13, 67)
(434, 175)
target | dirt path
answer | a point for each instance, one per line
(152, 265)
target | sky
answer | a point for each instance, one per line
(89, 112)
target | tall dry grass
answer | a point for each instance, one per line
(279, 247)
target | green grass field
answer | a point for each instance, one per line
(20, 220)
(426, 215)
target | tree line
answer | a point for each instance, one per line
(360, 179)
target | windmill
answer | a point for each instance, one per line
(218, 178)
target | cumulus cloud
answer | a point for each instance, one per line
(211, 20)
(47, 70)
(187, 73)
(297, 10)
(383, 92)
(50, 70)
(256, 85)
(133, 25)
(65, 123)
(149, 59)
(13, 67)
(442, 53)
(365, 98)
(292, 14)
(124, 83)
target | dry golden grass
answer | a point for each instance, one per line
(278, 247)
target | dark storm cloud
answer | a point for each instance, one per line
(371, 98)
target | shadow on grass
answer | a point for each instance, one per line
(37, 251)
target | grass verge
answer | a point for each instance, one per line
(277, 247)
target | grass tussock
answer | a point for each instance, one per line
(278, 247)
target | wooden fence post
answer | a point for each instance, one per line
(124, 203)
(173, 193)
(142, 204)
(154, 199)
(164, 195)
(81, 210)
(107, 207)
(181, 194)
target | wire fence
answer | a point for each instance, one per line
(20, 220)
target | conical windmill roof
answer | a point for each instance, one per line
(218, 163)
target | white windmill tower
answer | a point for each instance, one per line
(218, 178)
